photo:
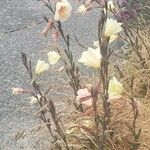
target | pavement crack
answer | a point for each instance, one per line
(23, 27)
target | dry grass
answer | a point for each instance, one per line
(144, 122)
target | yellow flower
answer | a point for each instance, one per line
(112, 27)
(115, 88)
(111, 5)
(82, 9)
(63, 10)
(53, 57)
(41, 66)
(112, 38)
(91, 58)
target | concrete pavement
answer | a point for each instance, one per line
(15, 112)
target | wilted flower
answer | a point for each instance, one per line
(53, 57)
(115, 88)
(48, 27)
(112, 27)
(82, 9)
(91, 58)
(55, 36)
(16, 91)
(63, 10)
(127, 11)
(84, 97)
(126, 15)
(41, 66)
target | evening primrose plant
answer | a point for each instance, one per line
(102, 114)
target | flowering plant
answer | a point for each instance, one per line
(104, 113)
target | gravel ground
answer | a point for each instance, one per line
(15, 112)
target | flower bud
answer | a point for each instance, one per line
(48, 27)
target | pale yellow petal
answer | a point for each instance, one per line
(82, 9)
(111, 5)
(115, 88)
(41, 66)
(112, 27)
(63, 10)
(96, 43)
(91, 58)
(112, 38)
(53, 57)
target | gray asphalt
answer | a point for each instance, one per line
(15, 112)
